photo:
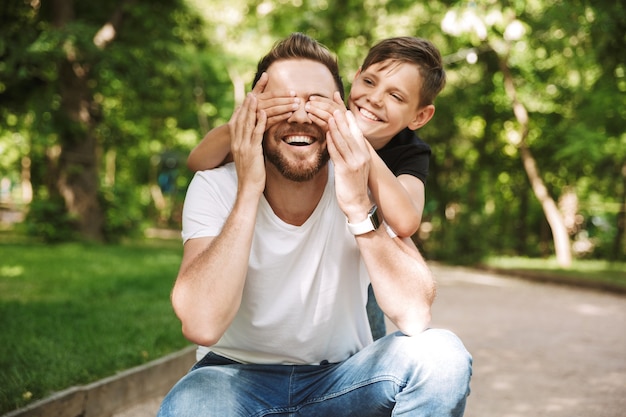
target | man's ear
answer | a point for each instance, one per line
(422, 117)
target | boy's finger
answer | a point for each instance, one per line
(279, 107)
(337, 98)
(259, 87)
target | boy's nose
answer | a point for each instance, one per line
(376, 97)
(300, 115)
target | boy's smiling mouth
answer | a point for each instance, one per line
(368, 114)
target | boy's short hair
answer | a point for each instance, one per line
(417, 51)
(301, 46)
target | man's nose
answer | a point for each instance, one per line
(300, 115)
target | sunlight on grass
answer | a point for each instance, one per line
(71, 314)
(613, 273)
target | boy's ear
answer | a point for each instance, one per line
(357, 74)
(422, 117)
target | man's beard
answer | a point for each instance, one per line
(299, 171)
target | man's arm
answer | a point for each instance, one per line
(402, 282)
(210, 282)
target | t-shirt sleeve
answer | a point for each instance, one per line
(209, 201)
(413, 161)
(407, 154)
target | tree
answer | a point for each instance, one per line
(78, 56)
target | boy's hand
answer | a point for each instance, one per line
(321, 109)
(278, 105)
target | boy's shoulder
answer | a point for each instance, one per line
(406, 138)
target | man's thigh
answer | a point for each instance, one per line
(368, 384)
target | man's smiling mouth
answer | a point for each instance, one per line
(298, 140)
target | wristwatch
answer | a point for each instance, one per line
(371, 223)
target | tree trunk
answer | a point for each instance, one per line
(77, 179)
(618, 243)
(560, 236)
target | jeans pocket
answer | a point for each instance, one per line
(212, 359)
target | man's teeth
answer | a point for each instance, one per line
(299, 140)
(368, 115)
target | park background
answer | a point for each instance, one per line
(100, 104)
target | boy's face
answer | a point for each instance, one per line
(385, 99)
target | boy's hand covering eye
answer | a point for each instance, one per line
(321, 109)
(278, 105)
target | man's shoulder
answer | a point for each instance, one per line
(223, 173)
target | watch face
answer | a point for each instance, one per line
(374, 217)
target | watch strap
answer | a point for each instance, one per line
(369, 224)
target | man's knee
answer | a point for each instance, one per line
(434, 354)
(438, 371)
(204, 391)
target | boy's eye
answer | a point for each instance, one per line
(397, 97)
(368, 81)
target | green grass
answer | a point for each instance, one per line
(71, 314)
(589, 273)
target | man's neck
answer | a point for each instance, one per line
(294, 202)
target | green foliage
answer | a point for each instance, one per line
(49, 221)
(168, 75)
(123, 213)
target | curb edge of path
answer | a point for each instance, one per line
(555, 279)
(106, 396)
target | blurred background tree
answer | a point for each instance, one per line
(101, 103)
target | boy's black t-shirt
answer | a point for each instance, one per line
(406, 154)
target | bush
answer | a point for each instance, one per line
(48, 219)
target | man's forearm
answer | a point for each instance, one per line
(403, 283)
(209, 287)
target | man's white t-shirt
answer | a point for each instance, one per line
(306, 288)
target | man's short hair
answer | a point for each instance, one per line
(301, 46)
(417, 51)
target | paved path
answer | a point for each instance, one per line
(539, 349)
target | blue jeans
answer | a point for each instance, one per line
(375, 315)
(424, 375)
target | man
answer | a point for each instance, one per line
(280, 248)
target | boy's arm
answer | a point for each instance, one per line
(401, 199)
(214, 149)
